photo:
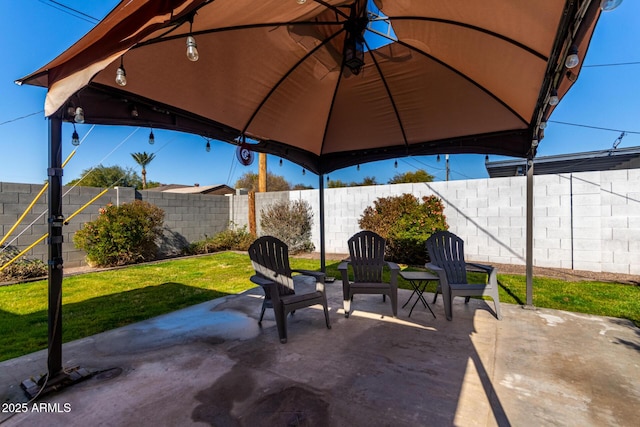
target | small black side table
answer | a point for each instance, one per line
(419, 281)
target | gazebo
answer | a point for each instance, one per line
(323, 83)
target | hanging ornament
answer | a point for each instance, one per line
(244, 154)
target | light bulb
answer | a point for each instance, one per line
(395, 164)
(304, 172)
(79, 116)
(208, 146)
(358, 167)
(75, 139)
(192, 49)
(608, 5)
(553, 99)
(543, 125)
(121, 76)
(572, 59)
(280, 162)
(301, 1)
(152, 138)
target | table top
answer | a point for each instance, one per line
(418, 275)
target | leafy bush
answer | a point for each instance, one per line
(291, 222)
(232, 239)
(122, 235)
(406, 223)
(21, 268)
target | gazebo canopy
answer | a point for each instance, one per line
(332, 83)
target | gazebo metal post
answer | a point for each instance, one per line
(529, 269)
(323, 266)
(56, 377)
(54, 360)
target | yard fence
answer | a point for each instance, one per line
(583, 221)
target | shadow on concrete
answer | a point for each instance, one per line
(212, 364)
(29, 332)
(370, 369)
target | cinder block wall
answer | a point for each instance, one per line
(188, 217)
(15, 198)
(584, 221)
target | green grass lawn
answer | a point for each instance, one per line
(96, 302)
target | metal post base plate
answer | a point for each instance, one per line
(35, 387)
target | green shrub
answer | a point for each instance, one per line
(121, 235)
(231, 239)
(21, 268)
(406, 223)
(291, 222)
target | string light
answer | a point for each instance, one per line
(79, 115)
(121, 75)
(208, 146)
(572, 59)
(152, 138)
(608, 5)
(192, 47)
(75, 139)
(553, 99)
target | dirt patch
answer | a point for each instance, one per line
(570, 275)
(557, 273)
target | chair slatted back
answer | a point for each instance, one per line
(446, 250)
(270, 259)
(366, 249)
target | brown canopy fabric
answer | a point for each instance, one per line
(454, 76)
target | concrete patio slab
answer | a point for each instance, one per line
(212, 365)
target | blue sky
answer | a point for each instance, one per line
(36, 31)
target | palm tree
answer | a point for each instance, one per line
(143, 159)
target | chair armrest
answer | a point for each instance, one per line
(431, 266)
(484, 268)
(261, 280)
(395, 268)
(392, 265)
(490, 270)
(344, 265)
(439, 271)
(318, 275)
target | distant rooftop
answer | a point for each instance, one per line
(614, 159)
(217, 189)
